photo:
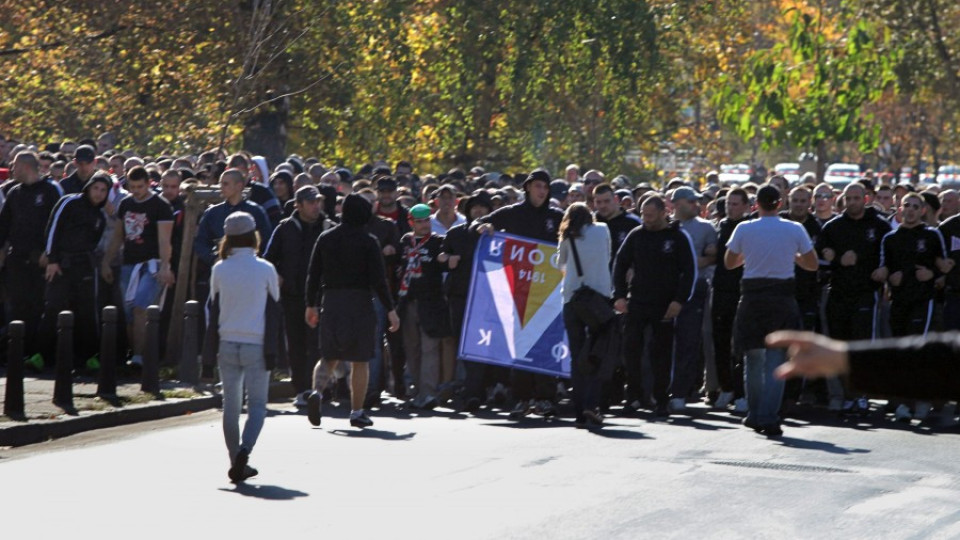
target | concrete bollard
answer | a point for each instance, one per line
(63, 386)
(13, 398)
(107, 381)
(190, 344)
(150, 381)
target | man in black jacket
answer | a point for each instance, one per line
(426, 319)
(664, 270)
(458, 249)
(850, 246)
(533, 218)
(22, 220)
(73, 232)
(83, 159)
(726, 296)
(619, 221)
(289, 249)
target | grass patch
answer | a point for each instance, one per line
(179, 393)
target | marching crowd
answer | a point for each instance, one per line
(371, 272)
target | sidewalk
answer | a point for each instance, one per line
(43, 420)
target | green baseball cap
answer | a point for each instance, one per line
(420, 211)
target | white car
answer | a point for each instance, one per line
(948, 176)
(738, 173)
(838, 175)
(790, 171)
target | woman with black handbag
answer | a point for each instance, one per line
(587, 306)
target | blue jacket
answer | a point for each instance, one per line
(210, 230)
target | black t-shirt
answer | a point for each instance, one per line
(140, 218)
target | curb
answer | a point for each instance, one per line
(32, 433)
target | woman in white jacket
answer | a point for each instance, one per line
(240, 284)
(592, 242)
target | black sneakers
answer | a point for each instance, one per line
(361, 420)
(314, 408)
(240, 471)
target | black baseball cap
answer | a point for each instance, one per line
(85, 154)
(308, 193)
(768, 195)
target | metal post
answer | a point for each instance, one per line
(150, 382)
(13, 398)
(63, 386)
(107, 382)
(189, 367)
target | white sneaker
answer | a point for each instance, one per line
(723, 400)
(740, 405)
(678, 405)
(921, 410)
(902, 413)
(836, 405)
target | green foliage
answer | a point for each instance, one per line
(812, 87)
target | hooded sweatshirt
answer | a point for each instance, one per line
(348, 257)
(76, 224)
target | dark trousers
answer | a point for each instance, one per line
(729, 362)
(851, 317)
(584, 378)
(302, 343)
(74, 290)
(640, 329)
(951, 312)
(910, 318)
(688, 345)
(25, 287)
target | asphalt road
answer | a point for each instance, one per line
(455, 476)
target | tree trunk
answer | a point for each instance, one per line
(265, 133)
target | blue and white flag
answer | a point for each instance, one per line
(514, 314)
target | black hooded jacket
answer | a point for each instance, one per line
(524, 219)
(76, 224)
(348, 257)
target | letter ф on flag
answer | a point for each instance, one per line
(514, 312)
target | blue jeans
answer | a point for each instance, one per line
(242, 367)
(764, 392)
(375, 384)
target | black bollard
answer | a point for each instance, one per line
(150, 381)
(107, 382)
(189, 368)
(63, 386)
(13, 399)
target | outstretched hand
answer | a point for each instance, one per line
(809, 354)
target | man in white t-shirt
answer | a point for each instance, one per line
(767, 248)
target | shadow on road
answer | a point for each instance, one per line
(368, 433)
(822, 446)
(269, 493)
(613, 433)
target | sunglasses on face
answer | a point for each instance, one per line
(911, 205)
(823, 196)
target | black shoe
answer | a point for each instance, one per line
(361, 421)
(521, 409)
(661, 411)
(314, 408)
(237, 471)
(771, 430)
(752, 425)
(472, 405)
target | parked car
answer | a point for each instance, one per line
(948, 176)
(838, 175)
(738, 173)
(790, 171)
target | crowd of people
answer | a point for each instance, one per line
(373, 269)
